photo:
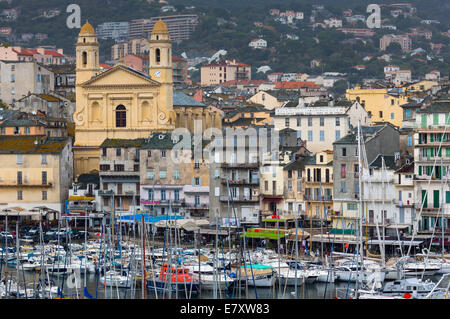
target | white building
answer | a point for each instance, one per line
(258, 44)
(113, 30)
(333, 23)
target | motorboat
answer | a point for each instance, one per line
(115, 279)
(173, 278)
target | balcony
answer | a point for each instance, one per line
(119, 173)
(197, 207)
(243, 181)
(25, 185)
(240, 165)
(241, 199)
(317, 198)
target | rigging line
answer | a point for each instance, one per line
(416, 222)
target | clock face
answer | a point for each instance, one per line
(157, 74)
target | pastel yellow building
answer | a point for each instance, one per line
(36, 171)
(120, 103)
(383, 106)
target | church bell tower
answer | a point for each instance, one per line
(160, 60)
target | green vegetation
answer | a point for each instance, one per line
(230, 25)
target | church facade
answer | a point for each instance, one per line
(120, 103)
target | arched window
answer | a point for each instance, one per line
(158, 55)
(121, 116)
(84, 58)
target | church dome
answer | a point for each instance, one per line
(87, 29)
(160, 27)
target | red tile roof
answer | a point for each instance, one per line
(296, 85)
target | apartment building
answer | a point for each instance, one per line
(180, 26)
(378, 139)
(120, 175)
(432, 165)
(36, 172)
(404, 41)
(313, 122)
(223, 71)
(18, 79)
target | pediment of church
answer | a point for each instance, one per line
(121, 75)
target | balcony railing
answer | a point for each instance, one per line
(25, 185)
(239, 199)
(243, 181)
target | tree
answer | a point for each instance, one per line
(394, 48)
(340, 87)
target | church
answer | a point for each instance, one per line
(121, 103)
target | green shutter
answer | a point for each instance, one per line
(440, 152)
(447, 152)
(447, 197)
(447, 119)
(424, 121)
(435, 119)
(420, 138)
(420, 170)
(431, 137)
(436, 199)
(424, 198)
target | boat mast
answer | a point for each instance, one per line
(360, 206)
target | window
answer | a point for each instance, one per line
(121, 116)
(119, 168)
(149, 153)
(356, 170)
(286, 122)
(196, 165)
(176, 194)
(19, 178)
(197, 200)
(136, 167)
(338, 135)
(322, 136)
(104, 167)
(3, 131)
(343, 187)
(104, 151)
(150, 194)
(118, 151)
(44, 178)
(266, 185)
(163, 194)
(44, 159)
(150, 174)
(299, 121)
(19, 159)
(381, 114)
(197, 181)
(338, 121)
(408, 113)
(321, 158)
(392, 116)
(44, 195)
(289, 185)
(344, 151)
(310, 136)
(176, 174)
(343, 170)
(299, 186)
(310, 121)
(19, 195)
(409, 141)
(392, 102)
(162, 174)
(84, 59)
(158, 56)
(17, 130)
(322, 121)
(163, 153)
(352, 206)
(289, 173)
(13, 78)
